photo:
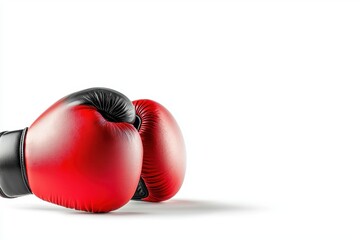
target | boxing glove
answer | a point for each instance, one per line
(164, 159)
(82, 153)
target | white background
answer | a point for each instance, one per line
(267, 95)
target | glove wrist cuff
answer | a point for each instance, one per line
(141, 191)
(13, 178)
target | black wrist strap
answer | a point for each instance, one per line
(141, 191)
(13, 178)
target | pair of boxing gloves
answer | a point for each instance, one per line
(94, 150)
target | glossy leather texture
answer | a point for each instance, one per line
(84, 153)
(13, 179)
(164, 160)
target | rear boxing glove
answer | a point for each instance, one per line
(164, 159)
(82, 153)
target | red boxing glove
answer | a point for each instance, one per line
(83, 153)
(164, 158)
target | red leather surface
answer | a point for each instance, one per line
(77, 159)
(164, 160)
